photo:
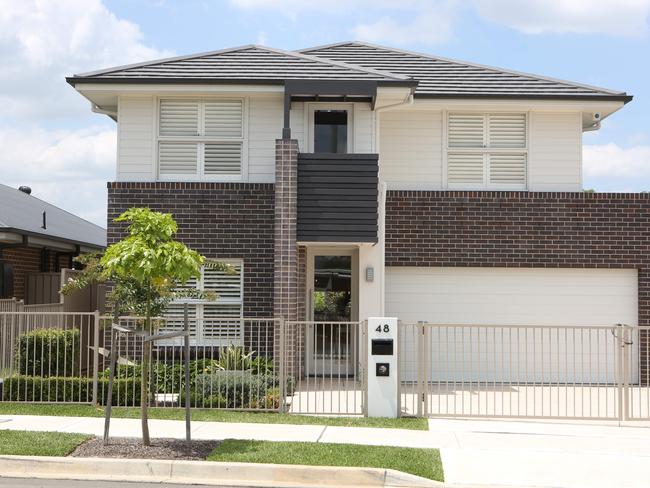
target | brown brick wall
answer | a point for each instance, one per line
(219, 220)
(27, 260)
(523, 229)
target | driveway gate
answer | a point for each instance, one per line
(532, 371)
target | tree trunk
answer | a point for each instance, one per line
(144, 385)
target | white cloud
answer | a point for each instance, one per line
(67, 168)
(620, 17)
(42, 41)
(430, 23)
(609, 167)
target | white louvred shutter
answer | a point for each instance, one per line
(223, 158)
(508, 169)
(223, 118)
(507, 130)
(177, 158)
(175, 321)
(227, 286)
(221, 323)
(465, 168)
(179, 118)
(466, 130)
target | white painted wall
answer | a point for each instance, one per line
(515, 296)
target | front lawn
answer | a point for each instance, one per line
(210, 415)
(23, 443)
(420, 462)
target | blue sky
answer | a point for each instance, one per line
(54, 143)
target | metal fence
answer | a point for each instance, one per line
(48, 357)
(531, 371)
(326, 362)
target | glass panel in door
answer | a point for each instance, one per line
(332, 303)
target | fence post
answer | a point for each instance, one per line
(186, 361)
(627, 342)
(95, 350)
(281, 360)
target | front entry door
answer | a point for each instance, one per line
(333, 306)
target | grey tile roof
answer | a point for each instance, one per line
(441, 77)
(242, 64)
(23, 213)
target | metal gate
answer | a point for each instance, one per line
(532, 371)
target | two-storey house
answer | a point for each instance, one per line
(353, 180)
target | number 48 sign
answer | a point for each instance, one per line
(385, 328)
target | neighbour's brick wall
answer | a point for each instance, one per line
(27, 260)
(523, 229)
(219, 220)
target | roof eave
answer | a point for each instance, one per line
(612, 98)
(75, 242)
(74, 80)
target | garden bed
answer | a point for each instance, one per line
(132, 448)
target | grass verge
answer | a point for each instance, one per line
(25, 443)
(211, 415)
(420, 462)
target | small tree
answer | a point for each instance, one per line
(144, 269)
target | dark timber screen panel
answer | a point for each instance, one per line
(337, 197)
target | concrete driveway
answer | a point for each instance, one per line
(543, 454)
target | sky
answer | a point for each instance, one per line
(51, 141)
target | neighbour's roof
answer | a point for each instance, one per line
(252, 64)
(448, 78)
(23, 213)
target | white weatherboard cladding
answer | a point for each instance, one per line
(135, 139)
(265, 122)
(411, 155)
(516, 296)
(410, 149)
(556, 151)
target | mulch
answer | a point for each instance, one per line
(132, 448)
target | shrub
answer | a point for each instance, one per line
(237, 389)
(262, 365)
(21, 388)
(48, 352)
(235, 358)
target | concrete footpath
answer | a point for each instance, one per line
(474, 452)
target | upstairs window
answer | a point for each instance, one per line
(213, 323)
(331, 131)
(487, 151)
(201, 139)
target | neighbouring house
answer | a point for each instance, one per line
(37, 242)
(353, 180)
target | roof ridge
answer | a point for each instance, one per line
(295, 54)
(342, 64)
(468, 63)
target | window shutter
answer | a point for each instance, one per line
(465, 168)
(223, 118)
(507, 130)
(179, 118)
(178, 158)
(175, 322)
(221, 323)
(228, 287)
(222, 158)
(507, 169)
(466, 130)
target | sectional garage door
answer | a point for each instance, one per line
(506, 297)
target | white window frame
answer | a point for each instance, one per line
(201, 140)
(312, 107)
(485, 151)
(199, 339)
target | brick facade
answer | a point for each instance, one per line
(28, 260)
(524, 229)
(219, 220)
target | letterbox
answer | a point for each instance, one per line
(382, 347)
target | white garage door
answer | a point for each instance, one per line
(564, 298)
